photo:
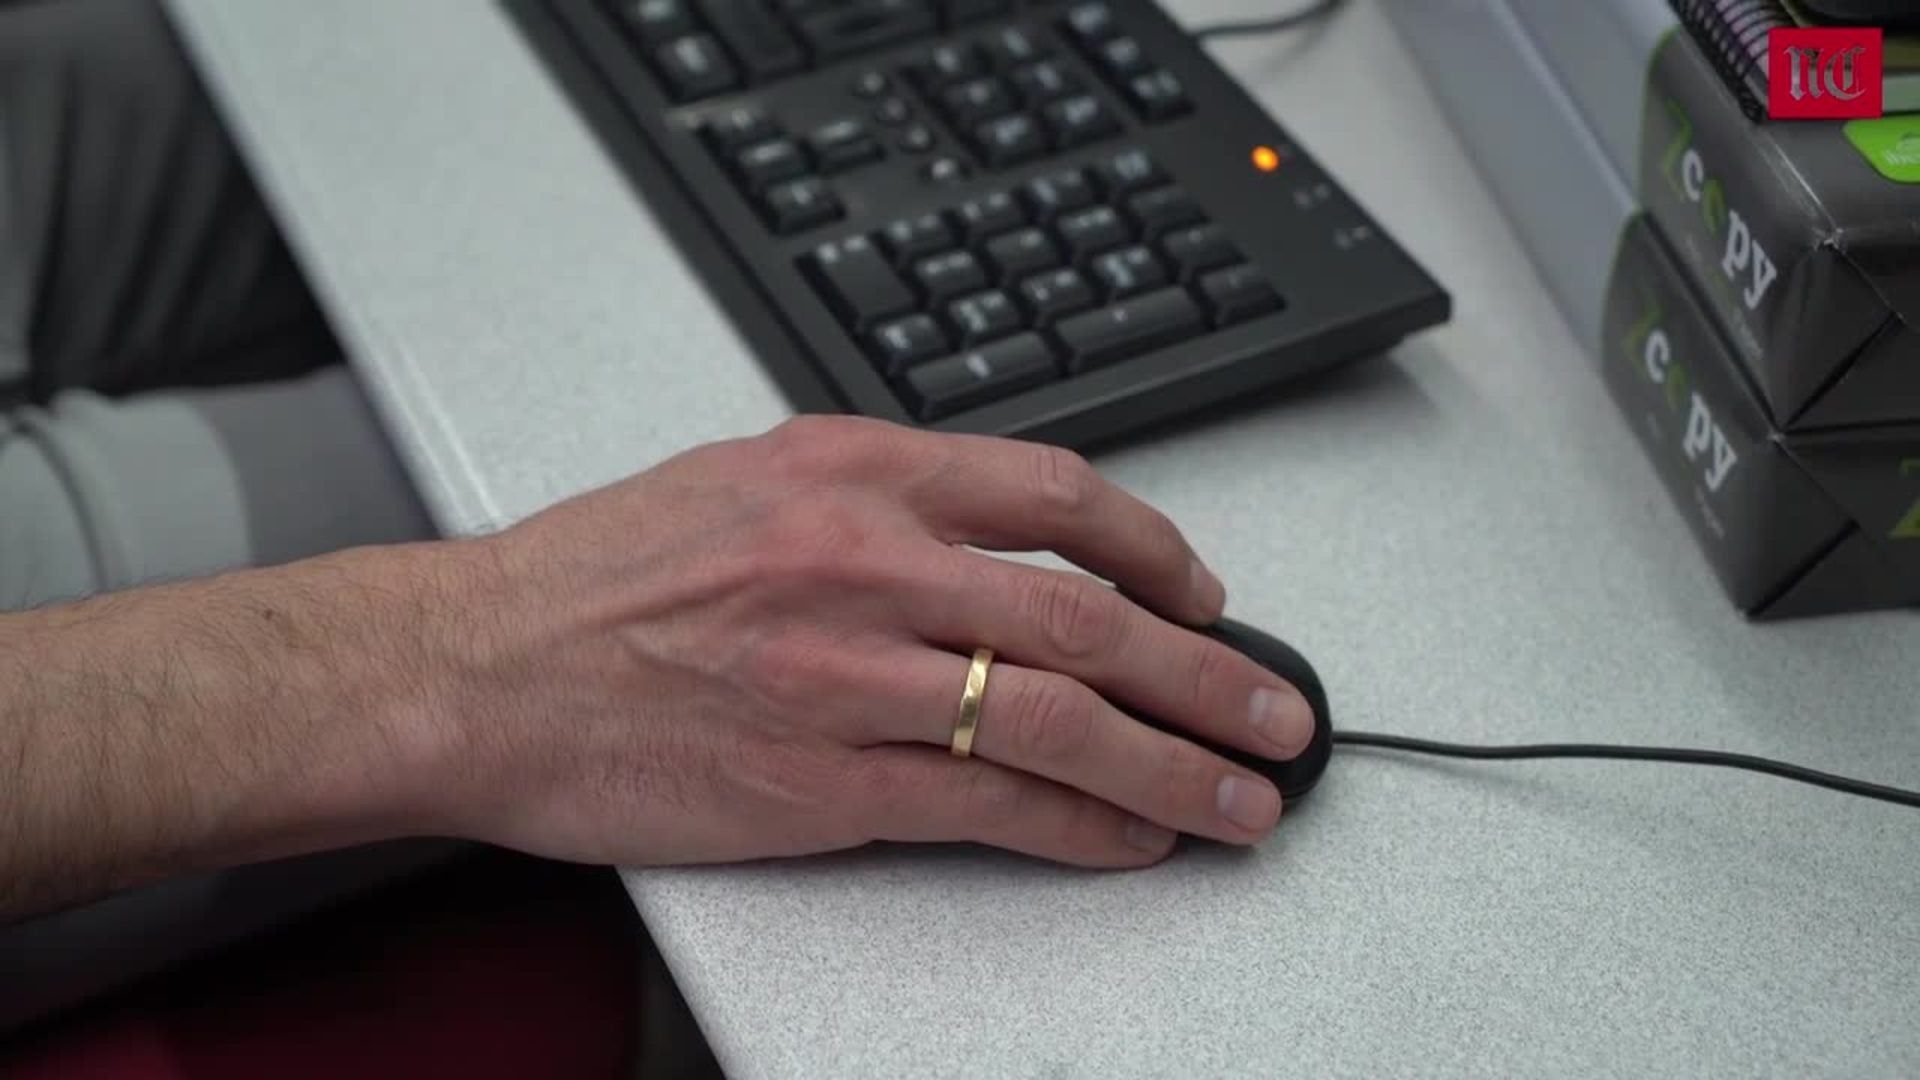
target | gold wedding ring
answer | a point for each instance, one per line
(969, 721)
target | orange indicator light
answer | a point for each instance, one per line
(1266, 158)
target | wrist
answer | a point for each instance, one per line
(360, 737)
(410, 651)
(251, 716)
(498, 654)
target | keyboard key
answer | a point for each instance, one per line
(948, 64)
(1161, 209)
(754, 36)
(1011, 46)
(911, 239)
(944, 170)
(1128, 328)
(984, 316)
(1054, 295)
(902, 343)
(1087, 232)
(1128, 170)
(1045, 81)
(871, 84)
(1056, 193)
(848, 28)
(1122, 57)
(1128, 272)
(1080, 119)
(943, 277)
(1158, 95)
(978, 100)
(655, 22)
(694, 67)
(915, 140)
(1091, 23)
(964, 380)
(798, 205)
(1021, 252)
(769, 162)
(1238, 293)
(965, 11)
(861, 288)
(1009, 140)
(842, 144)
(740, 126)
(989, 214)
(1197, 249)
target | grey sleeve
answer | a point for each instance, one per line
(138, 263)
(99, 494)
(135, 251)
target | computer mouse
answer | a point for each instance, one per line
(1294, 778)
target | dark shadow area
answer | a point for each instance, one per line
(493, 965)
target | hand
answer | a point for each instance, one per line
(758, 647)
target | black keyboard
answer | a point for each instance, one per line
(1053, 220)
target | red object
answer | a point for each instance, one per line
(1824, 73)
(475, 976)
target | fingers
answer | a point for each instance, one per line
(923, 795)
(1051, 726)
(1010, 495)
(1074, 625)
(1017, 496)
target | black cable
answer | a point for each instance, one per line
(1846, 785)
(1250, 28)
(1633, 753)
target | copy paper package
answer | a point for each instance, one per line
(1793, 523)
(1551, 100)
(1804, 239)
(1802, 234)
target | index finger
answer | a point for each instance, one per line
(1008, 495)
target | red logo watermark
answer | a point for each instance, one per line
(1823, 73)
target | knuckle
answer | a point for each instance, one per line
(1084, 822)
(803, 779)
(1209, 666)
(815, 537)
(804, 432)
(818, 448)
(1054, 720)
(725, 457)
(1077, 618)
(807, 447)
(1182, 783)
(1063, 482)
(833, 526)
(875, 798)
(1167, 537)
(994, 799)
(786, 669)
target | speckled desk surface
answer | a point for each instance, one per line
(1462, 536)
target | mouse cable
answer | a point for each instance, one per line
(1770, 767)
(1255, 27)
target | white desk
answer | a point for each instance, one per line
(1463, 538)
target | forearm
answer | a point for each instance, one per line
(251, 716)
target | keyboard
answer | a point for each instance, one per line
(1049, 219)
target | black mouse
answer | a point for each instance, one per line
(1297, 777)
